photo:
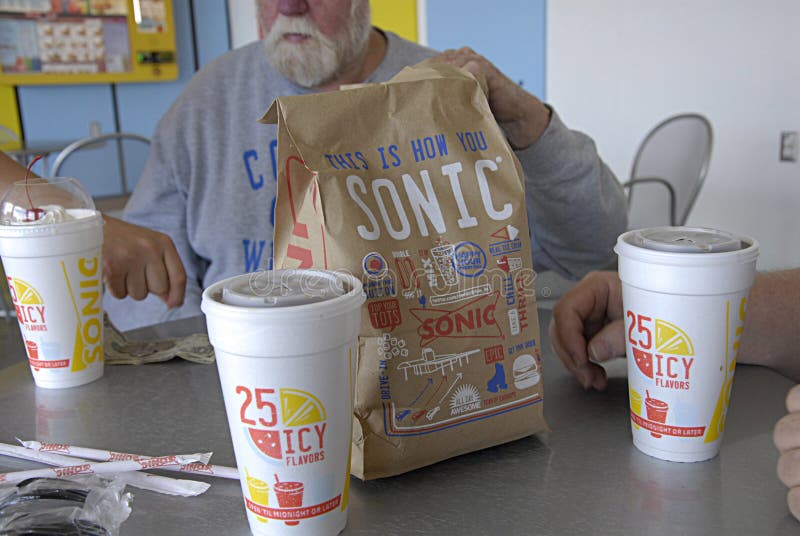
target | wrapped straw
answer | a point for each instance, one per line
(157, 483)
(198, 468)
(101, 468)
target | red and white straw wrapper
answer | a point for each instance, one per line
(104, 467)
(137, 479)
(198, 468)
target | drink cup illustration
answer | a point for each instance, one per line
(636, 404)
(444, 257)
(656, 411)
(289, 495)
(684, 293)
(50, 241)
(33, 350)
(286, 344)
(259, 492)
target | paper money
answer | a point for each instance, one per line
(121, 351)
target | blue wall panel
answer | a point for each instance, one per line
(510, 33)
(63, 114)
(141, 105)
(211, 30)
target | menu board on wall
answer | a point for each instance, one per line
(74, 41)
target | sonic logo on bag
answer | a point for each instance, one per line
(422, 198)
(667, 358)
(285, 425)
(473, 319)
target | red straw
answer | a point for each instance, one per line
(36, 212)
(276, 478)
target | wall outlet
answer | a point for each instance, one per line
(789, 145)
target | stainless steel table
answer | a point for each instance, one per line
(584, 477)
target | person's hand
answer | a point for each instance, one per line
(787, 438)
(588, 327)
(138, 261)
(523, 117)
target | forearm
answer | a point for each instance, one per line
(771, 334)
(576, 205)
(525, 127)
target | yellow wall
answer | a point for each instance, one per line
(9, 119)
(398, 16)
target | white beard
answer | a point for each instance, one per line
(319, 58)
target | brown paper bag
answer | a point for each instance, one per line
(412, 186)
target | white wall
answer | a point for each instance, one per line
(617, 67)
(243, 22)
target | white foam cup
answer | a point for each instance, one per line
(684, 293)
(50, 241)
(285, 343)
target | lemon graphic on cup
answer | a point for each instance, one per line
(672, 340)
(299, 408)
(26, 294)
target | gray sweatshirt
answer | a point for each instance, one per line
(210, 178)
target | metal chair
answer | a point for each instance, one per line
(668, 171)
(95, 159)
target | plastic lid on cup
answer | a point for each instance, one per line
(282, 288)
(38, 202)
(685, 240)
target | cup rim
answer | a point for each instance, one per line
(95, 218)
(211, 300)
(748, 254)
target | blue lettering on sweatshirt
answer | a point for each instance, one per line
(252, 254)
(256, 182)
(254, 248)
(273, 153)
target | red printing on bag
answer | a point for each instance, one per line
(304, 255)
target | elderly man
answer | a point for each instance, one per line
(210, 179)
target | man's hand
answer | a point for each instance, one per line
(588, 327)
(523, 117)
(787, 439)
(138, 261)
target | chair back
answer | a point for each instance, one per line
(107, 164)
(668, 171)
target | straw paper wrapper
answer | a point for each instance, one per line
(102, 468)
(197, 468)
(157, 483)
(165, 484)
